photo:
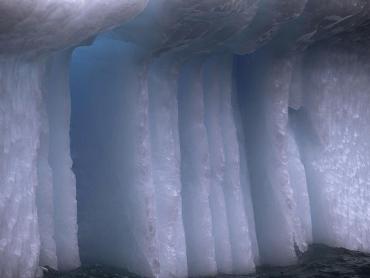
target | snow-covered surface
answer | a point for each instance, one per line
(188, 160)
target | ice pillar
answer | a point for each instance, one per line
(64, 184)
(166, 160)
(20, 117)
(264, 99)
(333, 129)
(196, 172)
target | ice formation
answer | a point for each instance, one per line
(181, 138)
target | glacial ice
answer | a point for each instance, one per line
(132, 135)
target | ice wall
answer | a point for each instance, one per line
(263, 97)
(20, 128)
(38, 194)
(333, 132)
(38, 197)
(180, 230)
(189, 160)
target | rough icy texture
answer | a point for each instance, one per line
(333, 125)
(196, 172)
(20, 99)
(276, 184)
(180, 172)
(166, 160)
(193, 188)
(34, 27)
(114, 167)
(63, 179)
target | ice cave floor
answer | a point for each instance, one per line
(319, 261)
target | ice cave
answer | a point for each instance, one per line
(182, 138)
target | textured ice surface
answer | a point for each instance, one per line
(335, 144)
(38, 200)
(189, 160)
(264, 104)
(20, 127)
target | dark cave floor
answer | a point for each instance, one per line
(318, 261)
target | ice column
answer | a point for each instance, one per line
(20, 117)
(212, 99)
(242, 251)
(334, 135)
(64, 183)
(196, 172)
(225, 165)
(45, 194)
(264, 101)
(166, 159)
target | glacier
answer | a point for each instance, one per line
(179, 138)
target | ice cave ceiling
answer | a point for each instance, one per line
(182, 138)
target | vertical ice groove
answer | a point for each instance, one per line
(164, 135)
(20, 99)
(196, 172)
(64, 183)
(243, 260)
(212, 73)
(290, 178)
(44, 196)
(244, 176)
(265, 118)
(145, 229)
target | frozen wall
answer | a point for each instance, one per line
(333, 131)
(172, 142)
(282, 218)
(188, 160)
(38, 187)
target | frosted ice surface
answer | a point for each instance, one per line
(179, 171)
(336, 153)
(34, 27)
(166, 161)
(298, 181)
(275, 185)
(118, 180)
(212, 98)
(242, 252)
(196, 172)
(20, 127)
(44, 195)
(64, 183)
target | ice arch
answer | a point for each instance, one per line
(189, 160)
